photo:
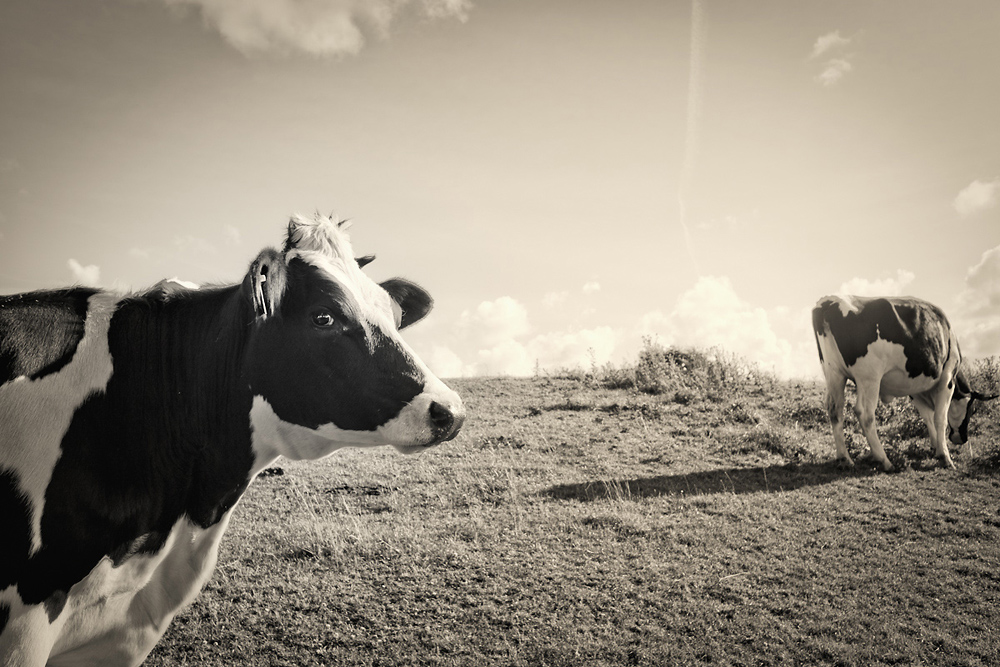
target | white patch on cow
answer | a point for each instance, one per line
(887, 361)
(35, 414)
(846, 303)
(27, 638)
(183, 283)
(119, 613)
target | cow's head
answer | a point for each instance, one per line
(325, 361)
(963, 406)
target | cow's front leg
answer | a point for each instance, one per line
(934, 410)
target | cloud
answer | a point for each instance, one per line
(497, 338)
(977, 196)
(824, 43)
(555, 299)
(508, 357)
(439, 9)
(985, 276)
(889, 286)
(977, 318)
(711, 314)
(85, 275)
(834, 71)
(835, 68)
(550, 351)
(569, 349)
(444, 363)
(493, 322)
(321, 28)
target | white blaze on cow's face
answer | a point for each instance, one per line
(328, 366)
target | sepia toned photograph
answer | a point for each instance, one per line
(499, 333)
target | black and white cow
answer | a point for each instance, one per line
(893, 347)
(131, 425)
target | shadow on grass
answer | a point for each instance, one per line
(724, 480)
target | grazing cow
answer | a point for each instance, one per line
(131, 425)
(893, 347)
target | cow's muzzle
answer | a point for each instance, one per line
(446, 420)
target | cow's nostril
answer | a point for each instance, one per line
(441, 417)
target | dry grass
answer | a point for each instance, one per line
(584, 520)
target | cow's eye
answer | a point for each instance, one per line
(323, 319)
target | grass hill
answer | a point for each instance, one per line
(683, 511)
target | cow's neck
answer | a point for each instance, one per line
(167, 438)
(193, 368)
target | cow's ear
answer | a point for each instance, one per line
(265, 283)
(413, 300)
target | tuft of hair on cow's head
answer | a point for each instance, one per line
(265, 282)
(323, 242)
(324, 234)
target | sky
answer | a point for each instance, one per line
(567, 178)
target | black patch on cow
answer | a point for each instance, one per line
(909, 324)
(15, 528)
(962, 386)
(54, 605)
(4, 617)
(963, 390)
(312, 376)
(168, 437)
(40, 331)
(817, 315)
(150, 543)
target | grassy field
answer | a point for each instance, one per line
(682, 512)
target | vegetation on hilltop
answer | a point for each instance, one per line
(681, 511)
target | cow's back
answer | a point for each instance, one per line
(910, 335)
